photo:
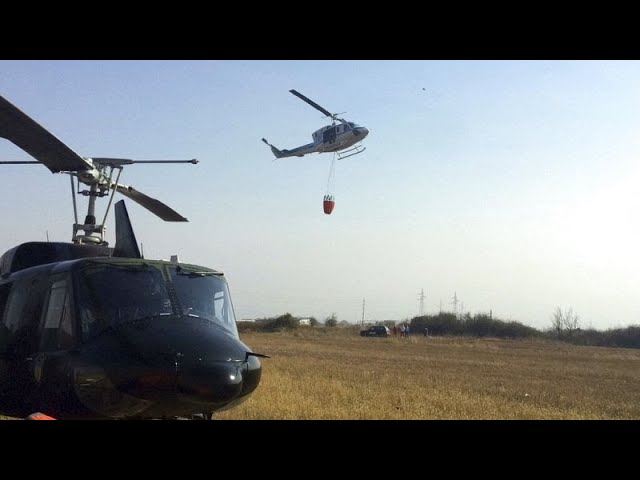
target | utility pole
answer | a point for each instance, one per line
(440, 311)
(362, 323)
(421, 298)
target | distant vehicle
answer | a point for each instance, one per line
(376, 331)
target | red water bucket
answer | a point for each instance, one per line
(328, 203)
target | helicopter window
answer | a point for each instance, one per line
(219, 305)
(17, 300)
(4, 331)
(4, 295)
(89, 324)
(205, 296)
(114, 294)
(58, 330)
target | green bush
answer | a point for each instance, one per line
(331, 321)
(441, 324)
(480, 325)
(623, 337)
(244, 326)
(283, 322)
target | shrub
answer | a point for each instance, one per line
(331, 321)
(480, 325)
(277, 324)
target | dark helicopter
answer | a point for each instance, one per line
(93, 331)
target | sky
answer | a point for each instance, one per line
(511, 184)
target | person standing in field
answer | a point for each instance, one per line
(401, 330)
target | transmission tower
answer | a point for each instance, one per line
(421, 298)
(455, 303)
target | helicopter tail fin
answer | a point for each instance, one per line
(126, 243)
(276, 152)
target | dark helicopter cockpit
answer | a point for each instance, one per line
(128, 338)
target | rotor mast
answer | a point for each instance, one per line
(99, 185)
(93, 232)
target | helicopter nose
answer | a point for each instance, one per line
(213, 384)
(218, 383)
(180, 366)
(361, 132)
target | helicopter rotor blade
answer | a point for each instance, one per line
(115, 162)
(312, 103)
(163, 211)
(21, 130)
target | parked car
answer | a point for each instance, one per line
(376, 331)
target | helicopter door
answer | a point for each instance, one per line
(50, 365)
(329, 135)
(19, 326)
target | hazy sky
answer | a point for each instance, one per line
(513, 183)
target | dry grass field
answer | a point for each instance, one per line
(318, 374)
(336, 374)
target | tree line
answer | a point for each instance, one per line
(565, 326)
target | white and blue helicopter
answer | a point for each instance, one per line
(343, 138)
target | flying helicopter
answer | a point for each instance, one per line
(93, 331)
(342, 139)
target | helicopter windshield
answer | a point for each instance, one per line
(111, 295)
(204, 294)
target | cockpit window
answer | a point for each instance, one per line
(204, 294)
(115, 294)
(110, 295)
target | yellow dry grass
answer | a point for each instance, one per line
(335, 374)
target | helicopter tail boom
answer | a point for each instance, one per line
(276, 152)
(294, 152)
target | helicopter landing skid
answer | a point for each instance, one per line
(351, 152)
